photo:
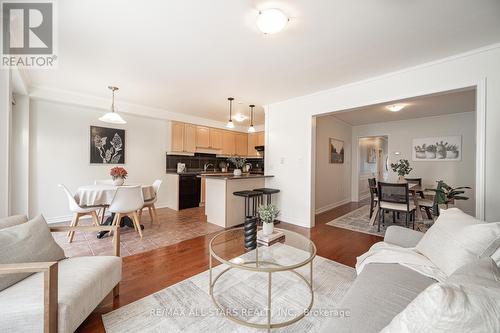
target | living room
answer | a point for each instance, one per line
(107, 251)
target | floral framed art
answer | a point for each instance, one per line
(107, 145)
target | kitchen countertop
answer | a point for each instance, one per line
(211, 173)
(233, 177)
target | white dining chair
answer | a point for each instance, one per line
(78, 211)
(126, 202)
(102, 212)
(150, 204)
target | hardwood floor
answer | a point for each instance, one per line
(148, 272)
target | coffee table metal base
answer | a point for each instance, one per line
(269, 325)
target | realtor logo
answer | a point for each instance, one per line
(28, 34)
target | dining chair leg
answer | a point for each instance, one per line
(103, 212)
(135, 217)
(393, 216)
(371, 208)
(95, 218)
(380, 213)
(72, 233)
(150, 210)
(115, 221)
(72, 223)
(140, 213)
(406, 219)
(155, 214)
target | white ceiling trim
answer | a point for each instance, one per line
(94, 102)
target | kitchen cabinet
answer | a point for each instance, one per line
(260, 139)
(177, 144)
(202, 137)
(241, 143)
(216, 137)
(189, 138)
(228, 143)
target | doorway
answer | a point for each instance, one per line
(373, 158)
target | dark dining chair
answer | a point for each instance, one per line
(395, 198)
(431, 206)
(372, 184)
(416, 181)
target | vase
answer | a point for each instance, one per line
(237, 172)
(267, 228)
(118, 181)
(401, 179)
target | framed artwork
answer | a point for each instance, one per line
(441, 148)
(107, 145)
(371, 155)
(336, 151)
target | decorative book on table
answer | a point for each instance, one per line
(275, 237)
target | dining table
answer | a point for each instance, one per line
(416, 191)
(101, 195)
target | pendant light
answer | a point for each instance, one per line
(251, 129)
(112, 117)
(230, 122)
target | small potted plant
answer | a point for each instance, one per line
(430, 152)
(119, 175)
(402, 168)
(452, 151)
(445, 194)
(441, 149)
(238, 163)
(267, 214)
(420, 151)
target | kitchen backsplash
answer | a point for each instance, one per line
(196, 162)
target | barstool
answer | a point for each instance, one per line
(251, 218)
(268, 192)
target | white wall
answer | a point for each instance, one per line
(59, 137)
(333, 181)
(401, 133)
(5, 120)
(19, 157)
(289, 139)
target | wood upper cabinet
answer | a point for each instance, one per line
(241, 143)
(260, 139)
(252, 142)
(228, 143)
(177, 143)
(202, 137)
(216, 137)
(189, 138)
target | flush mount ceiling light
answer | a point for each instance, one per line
(395, 107)
(240, 117)
(230, 122)
(271, 21)
(251, 129)
(112, 117)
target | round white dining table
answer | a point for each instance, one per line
(103, 194)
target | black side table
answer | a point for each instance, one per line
(251, 218)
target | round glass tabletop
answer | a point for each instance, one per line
(290, 251)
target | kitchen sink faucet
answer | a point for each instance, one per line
(205, 167)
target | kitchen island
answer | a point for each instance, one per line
(221, 206)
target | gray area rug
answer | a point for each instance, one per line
(188, 307)
(359, 220)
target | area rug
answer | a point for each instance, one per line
(188, 307)
(359, 220)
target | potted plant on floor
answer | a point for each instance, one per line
(238, 163)
(119, 175)
(446, 195)
(267, 214)
(402, 168)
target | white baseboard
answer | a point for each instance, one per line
(364, 196)
(331, 206)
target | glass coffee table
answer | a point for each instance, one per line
(288, 255)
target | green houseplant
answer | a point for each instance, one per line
(445, 194)
(238, 163)
(267, 214)
(402, 168)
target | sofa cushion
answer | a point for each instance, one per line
(469, 301)
(379, 293)
(12, 221)
(457, 239)
(83, 283)
(27, 242)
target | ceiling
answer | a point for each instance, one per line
(188, 56)
(419, 107)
